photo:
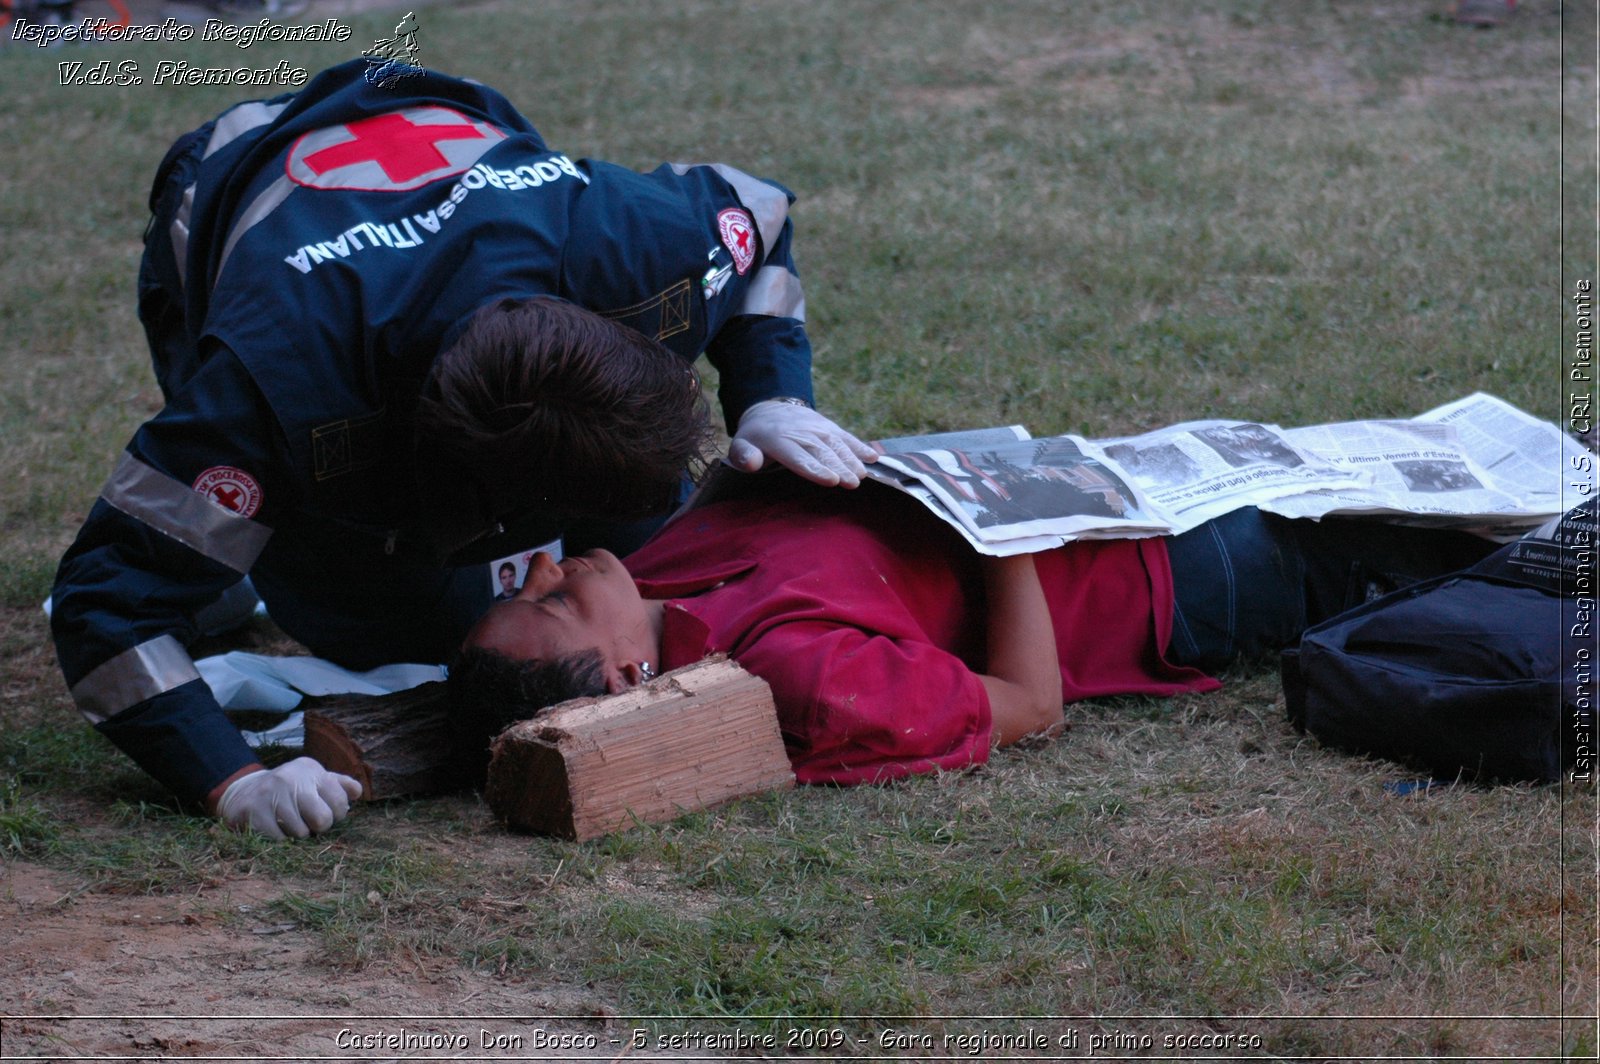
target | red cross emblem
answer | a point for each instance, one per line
(738, 236)
(391, 152)
(230, 488)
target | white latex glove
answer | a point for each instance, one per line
(299, 798)
(801, 439)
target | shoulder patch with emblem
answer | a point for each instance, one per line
(738, 234)
(230, 488)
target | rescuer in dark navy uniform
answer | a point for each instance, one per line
(397, 334)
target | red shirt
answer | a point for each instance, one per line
(865, 614)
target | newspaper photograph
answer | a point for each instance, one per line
(1057, 487)
(1412, 468)
(1198, 470)
(960, 440)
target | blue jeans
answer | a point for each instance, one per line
(1247, 584)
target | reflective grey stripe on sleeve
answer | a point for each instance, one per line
(178, 234)
(230, 127)
(174, 509)
(769, 205)
(238, 121)
(263, 205)
(775, 292)
(134, 675)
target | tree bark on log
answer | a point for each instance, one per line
(394, 745)
(696, 737)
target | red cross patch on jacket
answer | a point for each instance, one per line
(391, 152)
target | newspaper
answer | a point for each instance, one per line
(1411, 468)
(1016, 496)
(1012, 497)
(1198, 470)
(887, 471)
(1522, 455)
(723, 481)
(1477, 463)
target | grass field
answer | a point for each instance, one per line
(1096, 217)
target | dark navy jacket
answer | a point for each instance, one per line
(308, 258)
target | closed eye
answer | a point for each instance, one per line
(557, 598)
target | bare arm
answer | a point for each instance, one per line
(1024, 678)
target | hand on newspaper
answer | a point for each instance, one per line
(793, 434)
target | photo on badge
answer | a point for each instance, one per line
(506, 574)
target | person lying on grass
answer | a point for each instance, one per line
(892, 648)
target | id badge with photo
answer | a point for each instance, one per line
(507, 574)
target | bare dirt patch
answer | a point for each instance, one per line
(212, 972)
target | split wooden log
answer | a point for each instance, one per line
(395, 744)
(696, 737)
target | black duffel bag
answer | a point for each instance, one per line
(1484, 674)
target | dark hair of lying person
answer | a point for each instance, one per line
(489, 691)
(595, 414)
